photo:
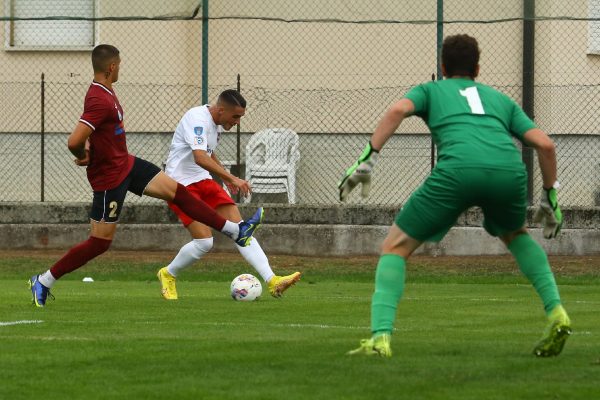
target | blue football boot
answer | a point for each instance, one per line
(247, 228)
(39, 292)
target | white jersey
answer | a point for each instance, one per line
(195, 131)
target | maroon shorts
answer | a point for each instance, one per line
(208, 190)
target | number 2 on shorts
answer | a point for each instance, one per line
(113, 209)
(473, 99)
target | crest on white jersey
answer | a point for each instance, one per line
(198, 135)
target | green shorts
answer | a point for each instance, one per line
(435, 206)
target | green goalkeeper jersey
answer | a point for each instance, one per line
(472, 124)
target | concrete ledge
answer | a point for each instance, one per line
(301, 229)
(322, 240)
(159, 213)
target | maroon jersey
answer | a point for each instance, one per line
(110, 162)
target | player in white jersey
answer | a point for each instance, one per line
(191, 161)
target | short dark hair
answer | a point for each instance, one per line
(102, 56)
(232, 97)
(460, 55)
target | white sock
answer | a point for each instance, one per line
(231, 229)
(189, 253)
(47, 279)
(256, 257)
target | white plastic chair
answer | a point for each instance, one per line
(271, 159)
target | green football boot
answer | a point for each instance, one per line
(555, 335)
(378, 345)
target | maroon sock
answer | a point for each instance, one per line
(79, 255)
(197, 209)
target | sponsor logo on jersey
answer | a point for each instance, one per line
(198, 135)
(119, 129)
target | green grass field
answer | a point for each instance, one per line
(465, 330)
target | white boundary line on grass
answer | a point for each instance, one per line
(317, 326)
(325, 326)
(25, 321)
(293, 325)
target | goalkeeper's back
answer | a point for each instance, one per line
(472, 124)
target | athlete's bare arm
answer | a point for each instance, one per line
(546, 152)
(78, 143)
(202, 158)
(390, 122)
(216, 159)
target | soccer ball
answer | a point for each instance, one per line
(246, 287)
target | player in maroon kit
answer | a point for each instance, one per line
(98, 142)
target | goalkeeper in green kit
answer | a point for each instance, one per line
(478, 164)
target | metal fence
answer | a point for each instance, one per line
(326, 70)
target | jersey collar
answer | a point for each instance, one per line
(102, 86)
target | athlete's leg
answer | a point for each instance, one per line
(106, 208)
(255, 256)
(505, 211)
(427, 216)
(79, 255)
(389, 279)
(103, 230)
(201, 243)
(389, 287)
(533, 262)
(164, 187)
(252, 253)
(215, 196)
(504, 206)
(100, 239)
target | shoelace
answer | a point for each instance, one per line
(48, 294)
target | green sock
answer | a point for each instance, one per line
(389, 285)
(533, 262)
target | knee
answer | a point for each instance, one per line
(509, 237)
(387, 247)
(399, 243)
(202, 246)
(398, 249)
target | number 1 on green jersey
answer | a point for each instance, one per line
(473, 99)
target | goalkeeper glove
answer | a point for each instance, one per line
(549, 213)
(359, 172)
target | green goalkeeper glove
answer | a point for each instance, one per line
(549, 213)
(359, 172)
